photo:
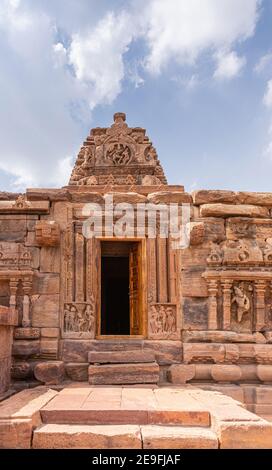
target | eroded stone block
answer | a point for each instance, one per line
(50, 373)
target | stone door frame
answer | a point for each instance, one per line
(142, 290)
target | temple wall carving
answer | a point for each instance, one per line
(205, 305)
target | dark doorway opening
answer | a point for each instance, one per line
(115, 312)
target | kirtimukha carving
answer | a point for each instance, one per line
(21, 202)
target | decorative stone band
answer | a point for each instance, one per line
(22, 206)
(220, 373)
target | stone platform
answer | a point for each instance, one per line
(112, 417)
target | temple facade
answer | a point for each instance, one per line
(93, 289)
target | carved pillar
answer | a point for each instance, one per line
(212, 290)
(226, 287)
(80, 264)
(260, 287)
(172, 272)
(27, 285)
(69, 263)
(162, 270)
(151, 270)
(13, 286)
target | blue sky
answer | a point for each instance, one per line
(197, 74)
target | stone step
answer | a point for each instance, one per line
(123, 357)
(60, 436)
(120, 374)
(121, 405)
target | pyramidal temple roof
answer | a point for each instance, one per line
(117, 155)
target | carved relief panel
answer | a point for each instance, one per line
(242, 307)
(79, 287)
(79, 320)
(162, 323)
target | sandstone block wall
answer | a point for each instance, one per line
(219, 289)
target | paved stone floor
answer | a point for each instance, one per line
(83, 416)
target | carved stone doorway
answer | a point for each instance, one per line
(121, 289)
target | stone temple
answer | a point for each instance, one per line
(155, 344)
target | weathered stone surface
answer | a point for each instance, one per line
(26, 333)
(26, 348)
(8, 318)
(263, 353)
(21, 370)
(177, 437)
(46, 284)
(56, 436)
(15, 434)
(50, 332)
(49, 347)
(193, 283)
(124, 373)
(268, 336)
(47, 232)
(75, 350)
(132, 198)
(226, 373)
(245, 435)
(26, 404)
(228, 210)
(13, 230)
(164, 197)
(86, 196)
(214, 229)
(7, 196)
(203, 372)
(123, 357)
(196, 232)
(36, 194)
(5, 364)
(166, 352)
(198, 352)
(262, 199)
(50, 259)
(180, 374)
(19, 414)
(45, 311)
(77, 371)
(218, 336)
(195, 313)
(205, 196)
(262, 395)
(126, 405)
(264, 373)
(50, 372)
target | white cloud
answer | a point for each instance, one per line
(229, 65)
(97, 57)
(59, 60)
(181, 30)
(264, 62)
(267, 99)
(60, 54)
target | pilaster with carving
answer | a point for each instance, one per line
(212, 313)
